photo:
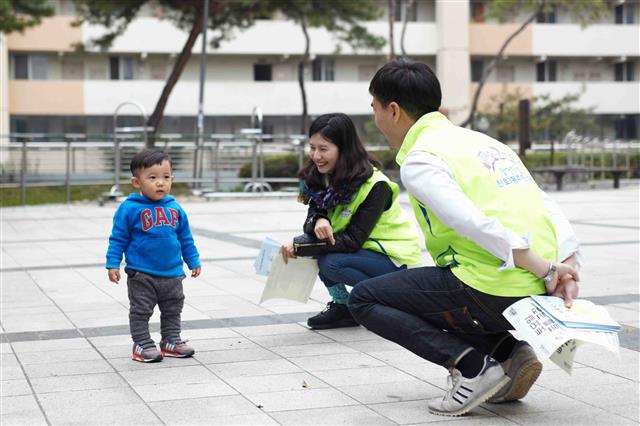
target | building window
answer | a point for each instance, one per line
(477, 69)
(72, 69)
(262, 72)
(625, 71)
(120, 68)
(323, 69)
(506, 73)
(30, 67)
(546, 71)
(476, 10)
(626, 127)
(624, 13)
(547, 16)
(410, 7)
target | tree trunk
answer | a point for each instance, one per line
(406, 5)
(391, 6)
(301, 66)
(178, 67)
(494, 62)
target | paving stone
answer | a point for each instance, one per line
(240, 342)
(300, 399)
(130, 414)
(183, 390)
(350, 334)
(127, 364)
(270, 330)
(59, 356)
(21, 410)
(68, 368)
(203, 410)
(587, 416)
(411, 412)
(336, 361)
(313, 349)
(80, 400)
(408, 390)
(254, 368)
(14, 387)
(276, 382)
(186, 374)
(235, 355)
(362, 376)
(11, 372)
(290, 339)
(398, 356)
(352, 415)
(5, 348)
(77, 382)
(604, 395)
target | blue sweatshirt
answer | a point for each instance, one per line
(154, 237)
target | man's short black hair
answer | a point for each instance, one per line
(410, 84)
(146, 158)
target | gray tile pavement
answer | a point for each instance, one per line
(64, 344)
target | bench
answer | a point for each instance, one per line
(560, 171)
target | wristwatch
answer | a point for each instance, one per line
(550, 274)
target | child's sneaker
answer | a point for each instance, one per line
(146, 353)
(176, 348)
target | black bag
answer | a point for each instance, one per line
(307, 245)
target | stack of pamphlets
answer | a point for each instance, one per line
(293, 280)
(555, 332)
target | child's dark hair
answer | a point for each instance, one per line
(410, 84)
(354, 165)
(146, 158)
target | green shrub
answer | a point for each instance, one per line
(275, 165)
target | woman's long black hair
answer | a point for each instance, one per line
(354, 165)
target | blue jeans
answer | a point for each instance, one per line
(351, 268)
(431, 313)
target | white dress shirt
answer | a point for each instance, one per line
(430, 181)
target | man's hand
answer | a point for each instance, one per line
(196, 271)
(323, 230)
(567, 289)
(287, 252)
(563, 270)
(114, 275)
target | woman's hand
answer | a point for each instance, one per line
(323, 230)
(287, 252)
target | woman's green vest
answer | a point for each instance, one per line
(492, 176)
(393, 234)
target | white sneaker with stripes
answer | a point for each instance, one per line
(466, 394)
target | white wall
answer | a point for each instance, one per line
(231, 98)
(152, 35)
(606, 98)
(594, 40)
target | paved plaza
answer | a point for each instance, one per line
(65, 347)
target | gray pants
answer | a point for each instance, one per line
(145, 292)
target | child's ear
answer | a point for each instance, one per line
(135, 182)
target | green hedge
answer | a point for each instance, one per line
(79, 193)
(286, 165)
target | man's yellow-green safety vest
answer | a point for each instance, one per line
(492, 176)
(393, 234)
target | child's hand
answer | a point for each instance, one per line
(196, 271)
(287, 252)
(114, 275)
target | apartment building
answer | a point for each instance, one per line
(49, 87)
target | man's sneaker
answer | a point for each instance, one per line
(146, 353)
(335, 315)
(176, 348)
(465, 394)
(522, 368)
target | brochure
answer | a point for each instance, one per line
(582, 314)
(550, 338)
(268, 251)
(293, 280)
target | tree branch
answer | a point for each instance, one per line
(494, 62)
